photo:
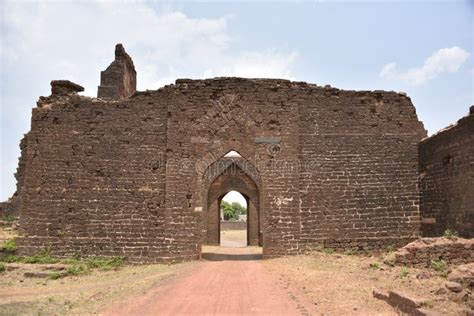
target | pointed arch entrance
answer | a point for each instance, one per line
(227, 174)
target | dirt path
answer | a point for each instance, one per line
(229, 281)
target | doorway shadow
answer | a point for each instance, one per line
(209, 256)
(217, 253)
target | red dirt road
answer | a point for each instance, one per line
(229, 281)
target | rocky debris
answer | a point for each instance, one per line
(463, 274)
(64, 87)
(423, 275)
(454, 286)
(421, 252)
(441, 291)
(36, 275)
(404, 303)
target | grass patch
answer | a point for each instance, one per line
(450, 234)
(440, 266)
(349, 252)
(429, 304)
(2, 268)
(9, 245)
(404, 272)
(328, 251)
(375, 265)
(10, 259)
(104, 263)
(8, 218)
(78, 269)
(43, 256)
(54, 275)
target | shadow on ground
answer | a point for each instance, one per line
(209, 256)
(216, 253)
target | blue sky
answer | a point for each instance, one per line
(424, 48)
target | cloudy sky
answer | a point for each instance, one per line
(424, 48)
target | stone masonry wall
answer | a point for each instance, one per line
(358, 180)
(447, 179)
(129, 176)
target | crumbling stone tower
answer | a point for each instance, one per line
(140, 174)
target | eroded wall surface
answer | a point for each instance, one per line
(447, 179)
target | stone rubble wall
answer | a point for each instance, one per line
(421, 252)
(233, 225)
(447, 180)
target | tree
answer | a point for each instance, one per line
(232, 211)
(239, 208)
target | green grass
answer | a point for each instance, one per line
(439, 265)
(404, 272)
(2, 268)
(9, 245)
(450, 234)
(349, 252)
(55, 275)
(328, 251)
(78, 266)
(8, 218)
(43, 256)
(78, 269)
(428, 304)
(375, 265)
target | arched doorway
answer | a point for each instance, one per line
(225, 175)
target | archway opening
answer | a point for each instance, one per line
(233, 210)
(220, 179)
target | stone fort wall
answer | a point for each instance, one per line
(447, 179)
(125, 176)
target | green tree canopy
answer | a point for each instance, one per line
(232, 211)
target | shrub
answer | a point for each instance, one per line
(450, 234)
(9, 245)
(2, 268)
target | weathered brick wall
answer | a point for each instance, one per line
(447, 179)
(358, 184)
(130, 177)
(94, 180)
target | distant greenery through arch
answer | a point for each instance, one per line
(232, 210)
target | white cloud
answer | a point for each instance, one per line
(445, 60)
(42, 41)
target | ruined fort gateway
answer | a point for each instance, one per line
(139, 176)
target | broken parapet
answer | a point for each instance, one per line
(422, 252)
(64, 87)
(119, 80)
